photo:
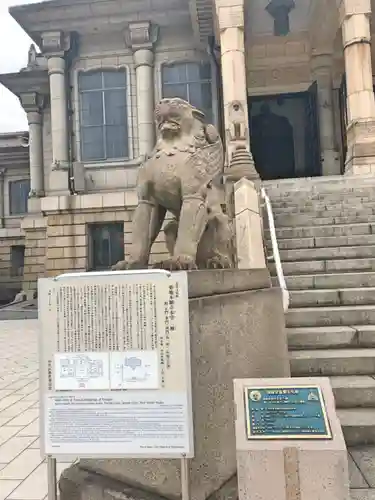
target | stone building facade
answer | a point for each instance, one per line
(14, 190)
(294, 75)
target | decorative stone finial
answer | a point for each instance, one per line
(280, 10)
(241, 165)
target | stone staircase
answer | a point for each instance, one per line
(326, 234)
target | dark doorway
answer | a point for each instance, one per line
(285, 135)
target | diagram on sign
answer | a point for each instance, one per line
(81, 371)
(134, 370)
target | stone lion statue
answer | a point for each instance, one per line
(183, 175)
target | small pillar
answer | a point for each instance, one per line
(141, 37)
(355, 22)
(249, 226)
(241, 166)
(289, 441)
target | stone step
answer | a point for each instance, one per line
(329, 281)
(340, 202)
(324, 242)
(325, 266)
(321, 183)
(331, 337)
(340, 297)
(332, 362)
(313, 220)
(327, 253)
(330, 316)
(362, 494)
(322, 231)
(354, 391)
(358, 425)
(346, 211)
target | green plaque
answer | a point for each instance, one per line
(289, 412)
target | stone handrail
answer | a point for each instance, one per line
(275, 250)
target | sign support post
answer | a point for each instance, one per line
(185, 479)
(52, 478)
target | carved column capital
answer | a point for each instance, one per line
(322, 66)
(55, 43)
(32, 102)
(141, 35)
(230, 16)
(349, 8)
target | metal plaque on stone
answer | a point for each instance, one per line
(115, 376)
(290, 412)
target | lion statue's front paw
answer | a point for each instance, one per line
(179, 263)
(122, 265)
(219, 262)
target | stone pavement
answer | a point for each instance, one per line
(23, 474)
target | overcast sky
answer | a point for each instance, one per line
(13, 56)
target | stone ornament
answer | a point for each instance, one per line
(55, 42)
(183, 175)
(141, 35)
(238, 121)
(280, 10)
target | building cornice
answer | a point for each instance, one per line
(92, 16)
(26, 82)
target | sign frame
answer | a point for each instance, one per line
(45, 392)
(287, 437)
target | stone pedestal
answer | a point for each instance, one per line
(237, 330)
(360, 158)
(277, 469)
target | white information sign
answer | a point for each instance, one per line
(115, 365)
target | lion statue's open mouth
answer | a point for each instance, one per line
(169, 125)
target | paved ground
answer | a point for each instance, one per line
(23, 474)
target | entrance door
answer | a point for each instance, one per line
(285, 135)
(313, 160)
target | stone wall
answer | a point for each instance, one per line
(59, 242)
(35, 250)
(10, 282)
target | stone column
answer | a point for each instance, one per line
(32, 103)
(355, 24)
(230, 21)
(55, 44)
(141, 37)
(322, 73)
